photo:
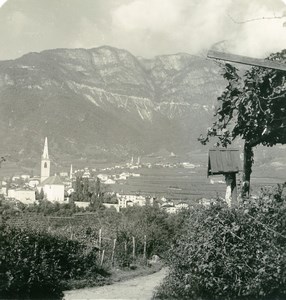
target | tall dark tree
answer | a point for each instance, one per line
(252, 107)
(97, 196)
(78, 190)
(97, 187)
(86, 189)
(40, 195)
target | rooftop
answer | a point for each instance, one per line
(52, 180)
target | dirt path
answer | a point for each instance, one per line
(137, 288)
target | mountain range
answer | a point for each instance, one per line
(104, 103)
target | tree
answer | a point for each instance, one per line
(78, 194)
(252, 107)
(40, 195)
(97, 187)
(97, 195)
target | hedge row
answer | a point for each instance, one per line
(35, 264)
(231, 253)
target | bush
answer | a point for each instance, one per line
(34, 264)
(231, 253)
(146, 224)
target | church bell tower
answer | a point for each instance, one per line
(45, 162)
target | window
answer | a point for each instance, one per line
(45, 165)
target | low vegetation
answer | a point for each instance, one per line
(236, 253)
(213, 253)
(51, 247)
(36, 264)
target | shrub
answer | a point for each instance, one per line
(34, 264)
(234, 253)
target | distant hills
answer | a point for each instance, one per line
(104, 103)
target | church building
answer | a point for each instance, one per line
(52, 186)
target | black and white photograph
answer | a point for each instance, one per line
(143, 149)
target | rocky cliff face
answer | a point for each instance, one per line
(104, 102)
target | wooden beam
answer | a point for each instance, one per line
(246, 60)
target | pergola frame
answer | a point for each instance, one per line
(245, 60)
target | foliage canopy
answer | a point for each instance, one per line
(252, 107)
(231, 253)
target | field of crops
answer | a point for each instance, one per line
(184, 184)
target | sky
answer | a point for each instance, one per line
(144, 27)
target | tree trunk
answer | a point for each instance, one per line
(247, 169)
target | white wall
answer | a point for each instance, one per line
(111, 205)
(54, 193)
(82, 204)
(24, 196)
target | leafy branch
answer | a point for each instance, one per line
(252, 107)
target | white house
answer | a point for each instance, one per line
(205, 202)
(136, 175)
(102, 177)
(171, 210)
(33, 183)
(53, 188)
(24, 196)
(86, 173)
(82, 204)
(111, 205)
(25, 177)
(109, 181)
(140, 200)
(131, 200)
(182, 205)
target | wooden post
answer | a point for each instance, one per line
(102, 257)
(99, 238)
(125, 250)
(231, 190)
(113, 251)
(71, 231)
(247, 169)
(144, 250)
(99, 242)
(133, 246)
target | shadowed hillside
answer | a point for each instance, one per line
(104, 103)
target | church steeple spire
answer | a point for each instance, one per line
(46, 150)
(45, 162)
(71, 172)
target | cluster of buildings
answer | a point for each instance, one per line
(124, 201)
(117, 178)
(58, 188)
(171, 207)
(52, 187)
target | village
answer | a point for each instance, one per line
(60, 187)
(142, 151)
